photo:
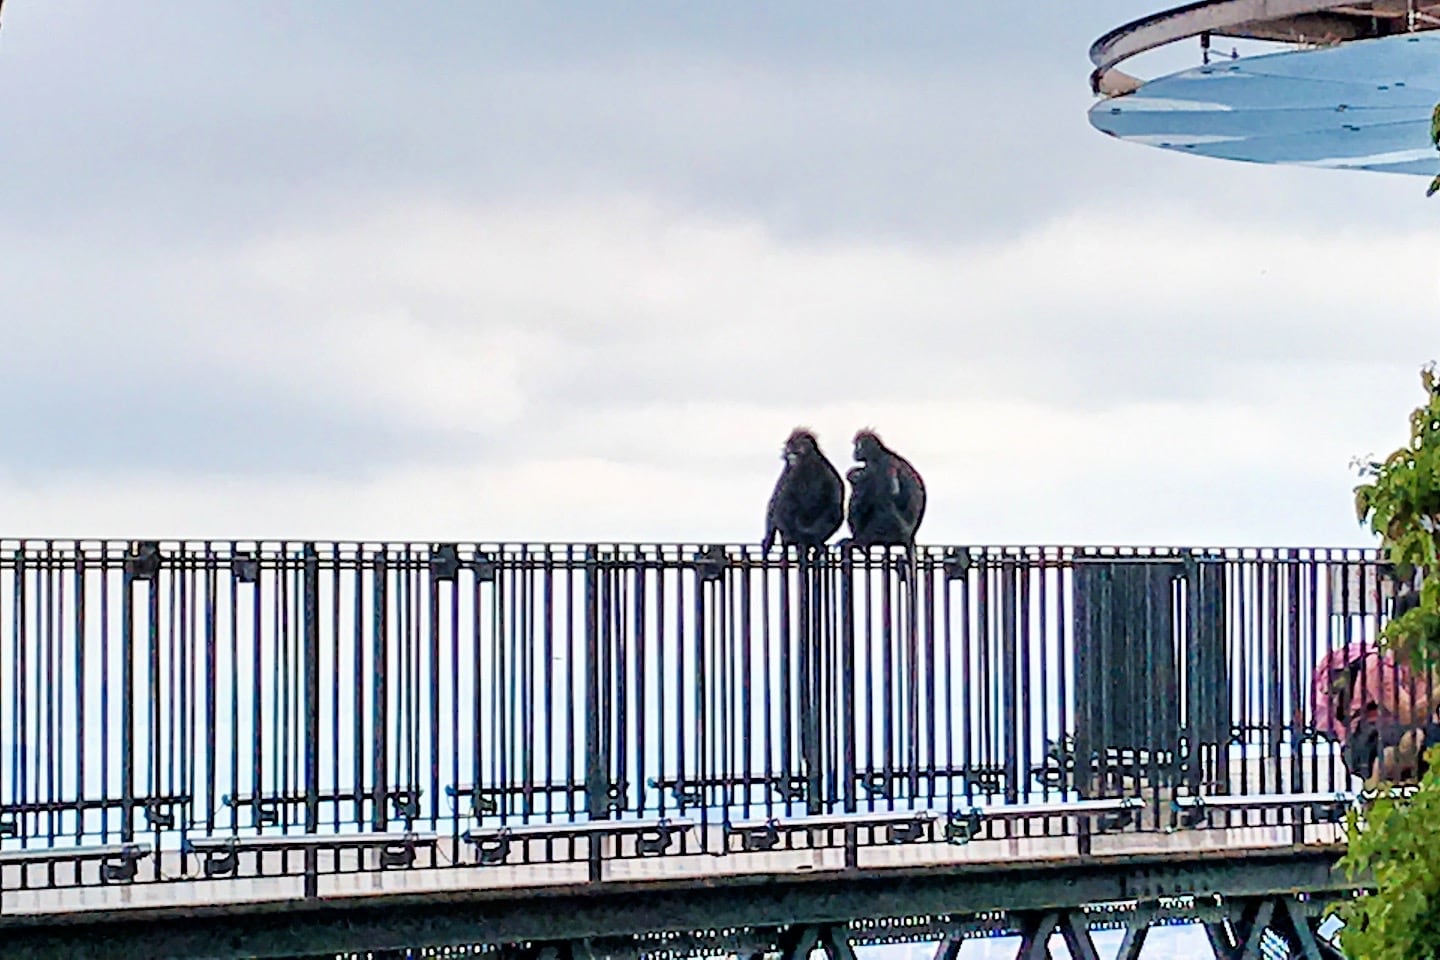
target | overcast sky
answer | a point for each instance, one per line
(573, 271)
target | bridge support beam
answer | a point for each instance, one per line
(798, 943)
(1036, 929)
(1286, 916)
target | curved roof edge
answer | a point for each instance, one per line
(1320, 22)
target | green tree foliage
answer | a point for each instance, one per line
(1401, 503)
(1397, 841)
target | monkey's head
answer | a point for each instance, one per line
(801, 443)
(867, 445)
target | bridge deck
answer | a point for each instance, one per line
(354, 877)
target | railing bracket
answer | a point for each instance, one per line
(444, 562)
(493, 851)
(142, 562)
(245, 567)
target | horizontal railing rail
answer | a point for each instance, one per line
(421, 706)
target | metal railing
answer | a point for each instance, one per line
(208, 710)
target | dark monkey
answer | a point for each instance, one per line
(887, 496)
(808, 504)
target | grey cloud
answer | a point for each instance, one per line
(187, 424)
(932, 121)
(181, 131)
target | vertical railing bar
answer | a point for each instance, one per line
(548, 654)
(433, 603)
(311, 616)
(571, 760)
(9, 776)
(127, 714)
(22, 700)
(1067, 719)
(686, 694)
(967, 732)
(380, 665)
(1293, 698)
(454, 672)
(985, 683)
(932, 669)
(477, 698)
(335, 552)
(786, 674)
(178, 751)
(193, 574)
(767, 668)
(234, 606)
(357, 639)
(871, 702)
(808, 633)
(418, 689)
(499, 721)
(1011, 681)
(257, 681)
(701, 631)
(640, 665)
(53, 668)
(80, 698)
(407, 683)
(849, 774)
(1042, 572)
(890, 731)
(595, 762)
(745, 690)
(616, 610)
(47, 628)
(211, 672)
(911, 598)
(1277, 721)
(1029, 683)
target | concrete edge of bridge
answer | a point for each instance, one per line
(939, 896)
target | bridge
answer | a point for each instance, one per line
(575, 751)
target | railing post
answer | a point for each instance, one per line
(597, 787)
(1011, 681)
(810, 643)
(311, 640)
(847, 701)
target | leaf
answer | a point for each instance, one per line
(1397, 840)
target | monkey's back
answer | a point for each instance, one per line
(878, 513)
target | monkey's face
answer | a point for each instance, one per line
(800, 444)
(866, 446)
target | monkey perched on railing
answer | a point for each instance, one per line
(887, 496)
(808, 504)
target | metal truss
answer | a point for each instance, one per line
(1236, 930)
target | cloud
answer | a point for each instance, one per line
(373, 275)
(205, 125)
(568, 370)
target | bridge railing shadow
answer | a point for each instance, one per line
(229, 710)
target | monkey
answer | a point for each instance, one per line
(887, 496)
(808, 504)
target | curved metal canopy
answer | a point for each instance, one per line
(1362, 104)
(1286, 21)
